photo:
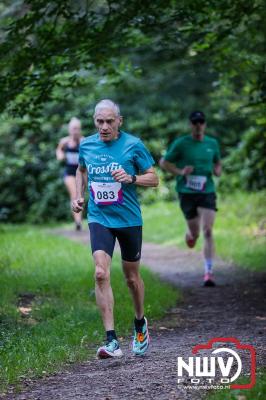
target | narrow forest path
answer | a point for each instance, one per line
(234, 308)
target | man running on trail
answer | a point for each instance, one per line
(115, 163)
(193, 159)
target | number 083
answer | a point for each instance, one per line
(105, 195)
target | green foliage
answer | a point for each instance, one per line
(30, 184)
(57, 276)
(44, 39)
(159, 60)
(245, 167)
(164, 192)
(50, 38)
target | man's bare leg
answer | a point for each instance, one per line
(135, 285)
(207, 220)
(193, 230)
(103, 290)
(105, 302)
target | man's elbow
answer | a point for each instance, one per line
(218, 172)
(81, 169)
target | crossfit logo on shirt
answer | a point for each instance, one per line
(103, 169)
(99, 166)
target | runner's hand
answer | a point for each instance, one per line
(77, 205)
(120, 175)
(187, 170)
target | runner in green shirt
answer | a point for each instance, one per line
(193, 159)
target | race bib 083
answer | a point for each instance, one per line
(107, 193)
(196, 182)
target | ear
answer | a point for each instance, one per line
(121, 121)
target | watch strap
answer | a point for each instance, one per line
(134, 178)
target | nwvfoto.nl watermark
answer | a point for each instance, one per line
(219, 367)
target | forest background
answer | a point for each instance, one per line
(159, 60)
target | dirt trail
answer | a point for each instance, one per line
(234, 308)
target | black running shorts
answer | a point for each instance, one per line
(130, 240)
(189, 202)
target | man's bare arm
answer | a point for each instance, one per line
(170, 167)
(217, 169)
(149, 177)
(81, 184)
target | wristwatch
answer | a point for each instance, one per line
(134, 178)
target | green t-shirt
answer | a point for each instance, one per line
(202, 155)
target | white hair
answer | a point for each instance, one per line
(74, 121)
(106, 103)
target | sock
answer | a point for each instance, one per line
(208, 265)
(139, 323)
(110, 335)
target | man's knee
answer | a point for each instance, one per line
(194, 232)
(207, 232)
(194, 228)
(101, 274)
(133, 281)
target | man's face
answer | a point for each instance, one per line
(198, 128)
(107, 123)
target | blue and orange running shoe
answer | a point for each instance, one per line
(141, 340)
(111, 349)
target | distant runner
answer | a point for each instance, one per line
(115, 162)
(193, 159)
(68, 150)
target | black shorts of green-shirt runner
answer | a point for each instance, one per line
(189, 203)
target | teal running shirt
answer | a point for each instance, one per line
(113, 204)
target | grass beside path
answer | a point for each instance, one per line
(240, 228)
(258, 392)
(48, 314)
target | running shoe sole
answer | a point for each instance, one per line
(102, 353)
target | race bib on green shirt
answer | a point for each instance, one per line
(107, 193)
(196, 182)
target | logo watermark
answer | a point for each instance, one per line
(218, 368)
